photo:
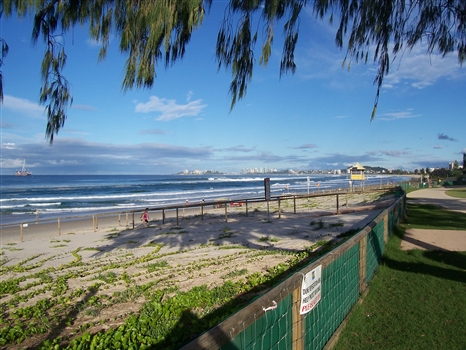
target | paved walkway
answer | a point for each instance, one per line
(452, 240)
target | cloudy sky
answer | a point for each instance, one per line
(318, 118)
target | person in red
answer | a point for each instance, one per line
(145, 217)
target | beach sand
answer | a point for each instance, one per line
(185, 255)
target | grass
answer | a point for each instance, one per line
(457, 193)
(416, 299)
(429, 216)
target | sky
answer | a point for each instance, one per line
(318, 118)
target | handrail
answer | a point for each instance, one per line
(130, 214)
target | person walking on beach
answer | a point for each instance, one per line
(145, 217)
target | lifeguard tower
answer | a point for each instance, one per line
(356, 174)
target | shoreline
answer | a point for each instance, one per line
(315, 207)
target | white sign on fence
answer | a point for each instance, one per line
(310, 290)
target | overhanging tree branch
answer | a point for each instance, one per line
(153, 31)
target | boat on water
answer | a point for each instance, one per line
(23, 171)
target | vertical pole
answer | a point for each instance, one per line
(246, 208)
(294, 204)
(119, 217)
(59, 226)
(347, 201)
(133, 220)
(385, 228)
(202, 212)
(279, 211)
(362, 264)
(93, 223)
(177, 217)
(338, 206)
(127, 219)
(21, 232)
(226, 212)
(297, 321)
(163, 216)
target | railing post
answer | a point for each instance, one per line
(59, 226)
(279, 211)
(202, 212)
(133, 220)
(294, 203)
(338, 206)
(21, 232)
(177, 217)
(246, 208)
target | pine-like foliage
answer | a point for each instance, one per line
(157, 31)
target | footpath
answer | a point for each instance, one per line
(451, 240)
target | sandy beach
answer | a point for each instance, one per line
(195, 252)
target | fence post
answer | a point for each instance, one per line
(177, 217)
(338, 205)
(21, 232)
(279, 211)
(202, 212)
(119, 217)
(127, 220)
(294, 203)
(59, 226)
(297, 321)
(163, 216)
(385, 228)
(133, 220)
(246, 208)
(362, 264)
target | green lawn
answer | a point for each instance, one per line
(417, 299)
(457, 192)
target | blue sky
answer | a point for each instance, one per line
(318, 118)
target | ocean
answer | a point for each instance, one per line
(75, 195)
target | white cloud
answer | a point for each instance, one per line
(8, 145)
(169, 109)
(421, 69)
(397, 115)
(23, 106)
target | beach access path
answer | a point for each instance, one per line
(451, 240)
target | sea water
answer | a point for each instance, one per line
(22, 198)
